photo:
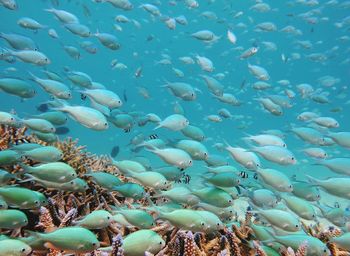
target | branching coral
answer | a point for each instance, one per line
(259, 250)
(74, 155)
(11, 136)
(64, 208)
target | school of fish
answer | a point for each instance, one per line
(194, 147)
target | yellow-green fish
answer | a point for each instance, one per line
(95, 220)
(55, 172)
(11, 219)
(137, 243)
(69, 239)
(22, 198)
(12, 247)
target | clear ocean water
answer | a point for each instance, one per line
(325, 35)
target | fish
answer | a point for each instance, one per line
(22, 198)
(125, 97)
(136, 217)
(63, 130)
(14, 247)
(143, 240)
(96, 220)
(173, 156)
(42, 107)
(44, 154)
(52, 171)
(31, 56)
(115, 118)
(11, 219)
(153, 136)
(68, 238)
(115, 151)
(86, 116)
(174, 122)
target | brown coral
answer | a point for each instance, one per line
(45, 220)
(10, 135)
(64, 208)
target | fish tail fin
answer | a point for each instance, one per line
(272, 239)
(153, 206)
(157, 127)
(227, 144)
(59, 105)
(312, 180)
(8, 51)
(151, 148)
(32, 76)
(319, 162)
(35, 234)
(49, 9)
(245, 192)
(30, 178)
(247, 138)
(26, 168)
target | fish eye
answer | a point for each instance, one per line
(218, 224)
(230, 201)
(160, 242)
(105, 124)
(72, 182)
(93, 244)
(293, 158)
(297, 225)
(231, 211)
(284, 145)
(36, 202)
(290, 186)
(108, 217)
(202, 223)
(73, 174)
(165, 183)
(23, 250)
(325, 250)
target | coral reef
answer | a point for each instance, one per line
(10, 135)
(64, 208)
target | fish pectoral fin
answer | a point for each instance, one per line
(80, 246)
(285, 225)
(49, 245)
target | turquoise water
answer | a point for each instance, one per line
(136, 51)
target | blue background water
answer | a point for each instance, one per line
(136, 51)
